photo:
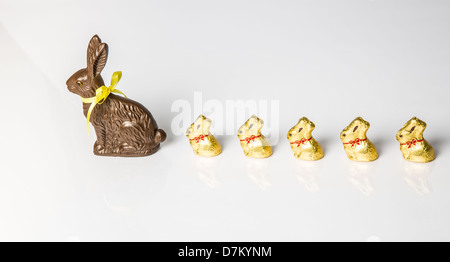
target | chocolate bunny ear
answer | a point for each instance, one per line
(93, 44)
(97, 55)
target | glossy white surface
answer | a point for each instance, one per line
(329, 60)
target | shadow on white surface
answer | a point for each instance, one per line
(439, 143)
(326, 142)
(381, 144)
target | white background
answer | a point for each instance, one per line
(328, 60)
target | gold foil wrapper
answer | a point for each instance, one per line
(304, 146)
(203, 143)
(356, 144)
(412, 144)
(252, 141)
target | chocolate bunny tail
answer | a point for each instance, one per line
(160, 136)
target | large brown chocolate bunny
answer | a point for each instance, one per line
(123, 127)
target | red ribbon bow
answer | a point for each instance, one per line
(198, 138)
(411, 143)
(250, 138)
(355, 142)
(301, 141)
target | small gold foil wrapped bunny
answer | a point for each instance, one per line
(305, 147)
(253, 142)
(202, 141)
(412, 144)
(356, 144)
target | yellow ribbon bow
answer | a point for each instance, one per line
(101, 94)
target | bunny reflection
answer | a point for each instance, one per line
(206, 167)
(416, 176)
(359, 174)
(306, 173)
(257, 170)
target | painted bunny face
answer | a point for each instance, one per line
(200, 126)
(356, 129)
(251, 127)
(303, 129)
(413, 129)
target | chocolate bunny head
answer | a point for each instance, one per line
(251, 127)
(85, 81)
(356, 129)
(200, 126)
(302, 129)
(413, 129)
